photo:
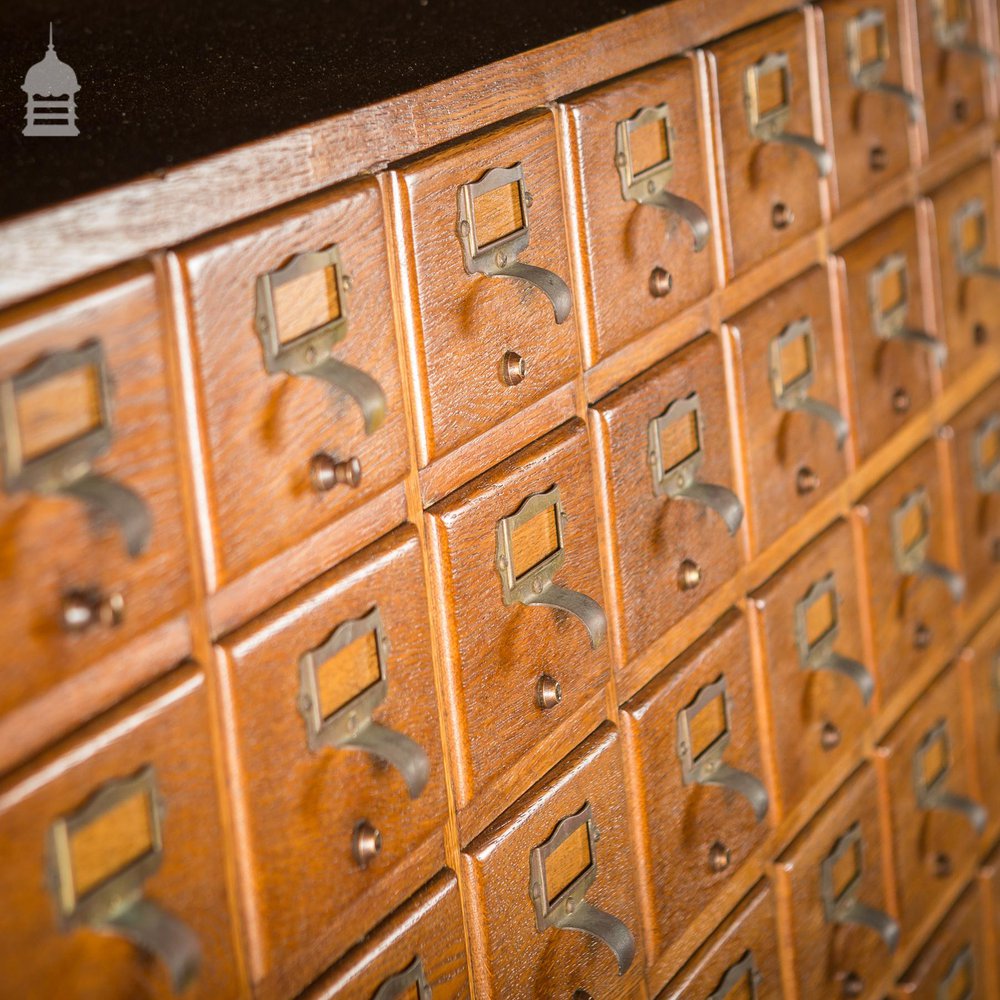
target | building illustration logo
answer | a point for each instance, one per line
(51, 87)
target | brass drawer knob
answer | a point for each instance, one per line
(853, 985)
(689, 575)
(719, 857)
(366, 844)
(513, 368)
(829, 736)
(901, 401)
(548, 692)
(83, 608)
(325, 472)
(661, 283)
(806, 481)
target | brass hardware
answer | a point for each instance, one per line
(794, 395)
(969, 259)
(67, 468)
(961, 972)
(910, 555)
(844, 907)
(689, 575)
(821, 654)
(852, 985)
(400, 983)
(351, 726)
(986, 459)
(366, 843)
(707, 766)
(325, 472)
(941, 866)
(534, 585)
(769, 124)
(868, 75)
(931, 791)
(980, 334)
(878, 159)
(83, 608)
(922, 636)
(743, 973)
(890, 323)
(806, 481)
(661, 282)
(952, 19)
(901, 401)
(829, 736)
(581, 995)
(498, 259)
(513, 368)
(960, 110)
(781, 215)
(116, 905)
(719, 857)
(680, 481)
(310, 354)
(648, 186)
(548, 692)
(568, 910)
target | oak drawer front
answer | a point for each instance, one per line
(891, 375)
(953, 78)
(763, 105)
(820, 686)
(693, 750)
(419, 951)
(537, 877)
(954, 961)
(926, 766)
(516, 550)
(968, 256)
(642, 213)
(913, 589)
(664, 439)
(832, 887)
(977, 484)
(339, 768)
(871, 105)
(93, 544)
(476, 307)
(293, 333)
(119, 886)
(796, 422)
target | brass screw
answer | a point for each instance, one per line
(781, 216)
(922, 636)
(853, 985)
(719, 857)
(325, 472)
(548, 692)
(806, 481)
(512, 368)
(661, 282)
(829, 737)
(878, 158)
(901, 401)
(689, 575)
(367, 843)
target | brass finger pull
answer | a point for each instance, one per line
(676, 454)
(931, 769)
(868, 55)
(968, 240)
(485, 250)
(41, 458)
(959, 981)
(742, 979)
(310, 352)
(817, 629)
(840, 884)
(768, 115)
(341, 683)
(401, 983)
(101, 887)
(792, 369)
(952, 20)
(530, 552)
(560, 903)
(645, 179)
(910, 525)
(703, 732)
(889, 305)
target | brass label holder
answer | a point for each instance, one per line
(952, 33)
(569, 910)
(650, 186)
(681, 482)
(891, 324)
(869, 74)
(498, 258)
(910, 557)
(351, 726)
(708, 767)
(311, 353)
(68, 469)
(116, 905)
(933, 794)
(743, 972)
(969, 260)
(399, 984)
(986, 470)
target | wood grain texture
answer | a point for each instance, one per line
(308, 897)
(167, 728)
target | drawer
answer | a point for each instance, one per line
(643, 229)
(952, 65)
(952, 965)
(977, 485)
(832, 889)
(925, 763)
(523, 643)
(796, 422)
(93, 546)
(491, 323)
(740, 959)
(809, 618)
(664, 445)
(890, 338)
(301, 401)
(965, 221)
(912, 589)
(420, 948)
(119, 887)
(870, 99)
(764, 110)
(693, 750)
(549, 886)
(337, 764)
